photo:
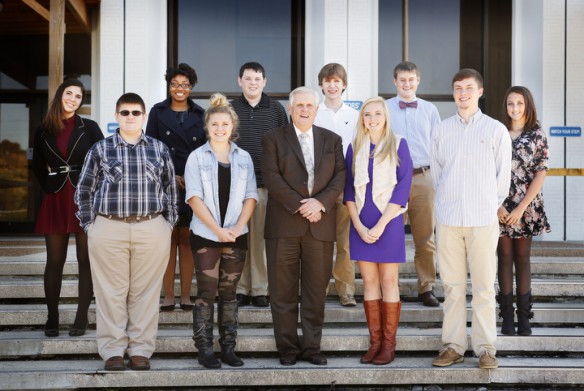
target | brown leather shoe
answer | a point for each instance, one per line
(447, 357)
(139, 363)
(428, 299)
(115, 363)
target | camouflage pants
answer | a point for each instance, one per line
(218, 271)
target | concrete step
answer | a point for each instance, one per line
(267, 372)
(35, 315)
(251, 341)
(540, 266)
(29, 287)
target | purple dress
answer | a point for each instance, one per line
(391, 246)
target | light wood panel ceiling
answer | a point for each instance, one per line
(18, 18)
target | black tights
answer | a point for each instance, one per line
(514, 252)
(218, 271)
(56, 256)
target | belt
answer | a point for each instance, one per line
(132, 219)
(421, 170)
(63, 169)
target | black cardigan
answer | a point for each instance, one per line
(49, 166)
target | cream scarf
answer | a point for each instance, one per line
(384, 173)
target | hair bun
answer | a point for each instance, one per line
(218, 100)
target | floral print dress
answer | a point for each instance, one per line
(530, 155)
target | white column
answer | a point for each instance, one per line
(548, 50)
(575, 117)
(346, 32)
(132, 54)
(552, 113)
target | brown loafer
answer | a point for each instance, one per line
(428, 299)
(115, 363)
(139, 363)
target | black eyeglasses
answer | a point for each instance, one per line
(135, 113)
(184, 86)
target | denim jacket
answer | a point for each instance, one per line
(201, 178)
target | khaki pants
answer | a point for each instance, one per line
(127, 265)
(254, 279)
(421, 216)
(478, 245)
(344, 268)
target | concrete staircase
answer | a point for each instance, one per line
(552, 357)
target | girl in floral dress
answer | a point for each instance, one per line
(522, 214)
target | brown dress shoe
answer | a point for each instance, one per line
(428, 299)
(139, 363)
(115, 363)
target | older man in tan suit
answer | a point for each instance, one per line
(304, 171)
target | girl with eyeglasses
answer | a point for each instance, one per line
(178, 122)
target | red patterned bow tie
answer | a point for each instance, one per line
(403, 105)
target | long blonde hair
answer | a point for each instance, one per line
(387, 142)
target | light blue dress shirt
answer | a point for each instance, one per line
(415, 125)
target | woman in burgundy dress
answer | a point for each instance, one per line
(60, 146)
(522, 215)
(379, 177)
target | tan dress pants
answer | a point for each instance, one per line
(254, 279)
(127, 265)
(421, 216)
(462, 250)
(344, 268)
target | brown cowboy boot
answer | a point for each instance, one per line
(389, 320)
(373, 315)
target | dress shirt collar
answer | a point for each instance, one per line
(474, 118)
(119, 140)
(308, 132)
(324, 107)
(264, 101)
(399, 98)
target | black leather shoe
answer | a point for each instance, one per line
(51, 333)
(52, 329)
(167, 308)
(316, 359)
(428, 299)
(288, 360)
(242, 300)
(77, 331)
(260, 301)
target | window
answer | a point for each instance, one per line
(434, 43)
(216, 37)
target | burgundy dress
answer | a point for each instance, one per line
(57, 212)
(391, 246)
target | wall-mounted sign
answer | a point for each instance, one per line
(566, 131)
(112, 127)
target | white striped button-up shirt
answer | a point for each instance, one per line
(471, 170)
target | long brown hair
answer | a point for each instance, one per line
(530, 114)
(53, 121)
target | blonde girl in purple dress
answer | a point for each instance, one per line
(379, 176)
